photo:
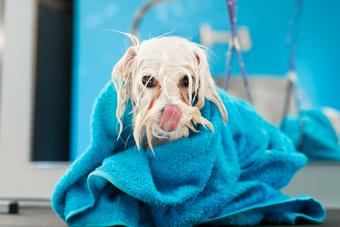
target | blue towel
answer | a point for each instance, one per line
(232, 176)
(322, 145)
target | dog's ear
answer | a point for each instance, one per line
(123, 66)
(121, 78)
(207, 87)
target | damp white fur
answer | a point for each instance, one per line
(166, 61)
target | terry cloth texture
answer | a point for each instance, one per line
(313, 134)
(231, 176)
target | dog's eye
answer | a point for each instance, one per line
(185, 81)
(149, 81)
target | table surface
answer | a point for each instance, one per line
(44, 217)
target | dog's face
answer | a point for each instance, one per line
(167, 79)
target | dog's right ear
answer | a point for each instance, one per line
(123, 66)
(121, 78)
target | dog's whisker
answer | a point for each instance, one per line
(149, 137)
(164, 34)
(127, 126)
(127, 139)
(124, 142)
(189, 125)
(208, 124)
(140, 121)
(158, 135)
(134, 40)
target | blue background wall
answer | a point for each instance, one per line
(97, 48)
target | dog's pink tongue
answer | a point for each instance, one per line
(170, 118)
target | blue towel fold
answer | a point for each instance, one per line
(313, 134)
(231, 176)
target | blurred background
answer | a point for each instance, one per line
(56, 56)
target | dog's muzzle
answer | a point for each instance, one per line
(170, 118)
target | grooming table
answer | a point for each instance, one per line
(44, 217)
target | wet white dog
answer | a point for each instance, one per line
(167, 79)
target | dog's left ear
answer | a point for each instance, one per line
(207, 85)
(121, 78)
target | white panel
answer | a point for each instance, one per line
(18, 176)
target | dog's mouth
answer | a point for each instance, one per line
(170, 123)
(171, 118)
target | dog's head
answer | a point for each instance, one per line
(167, 79)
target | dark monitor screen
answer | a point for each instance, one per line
(51, 137)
